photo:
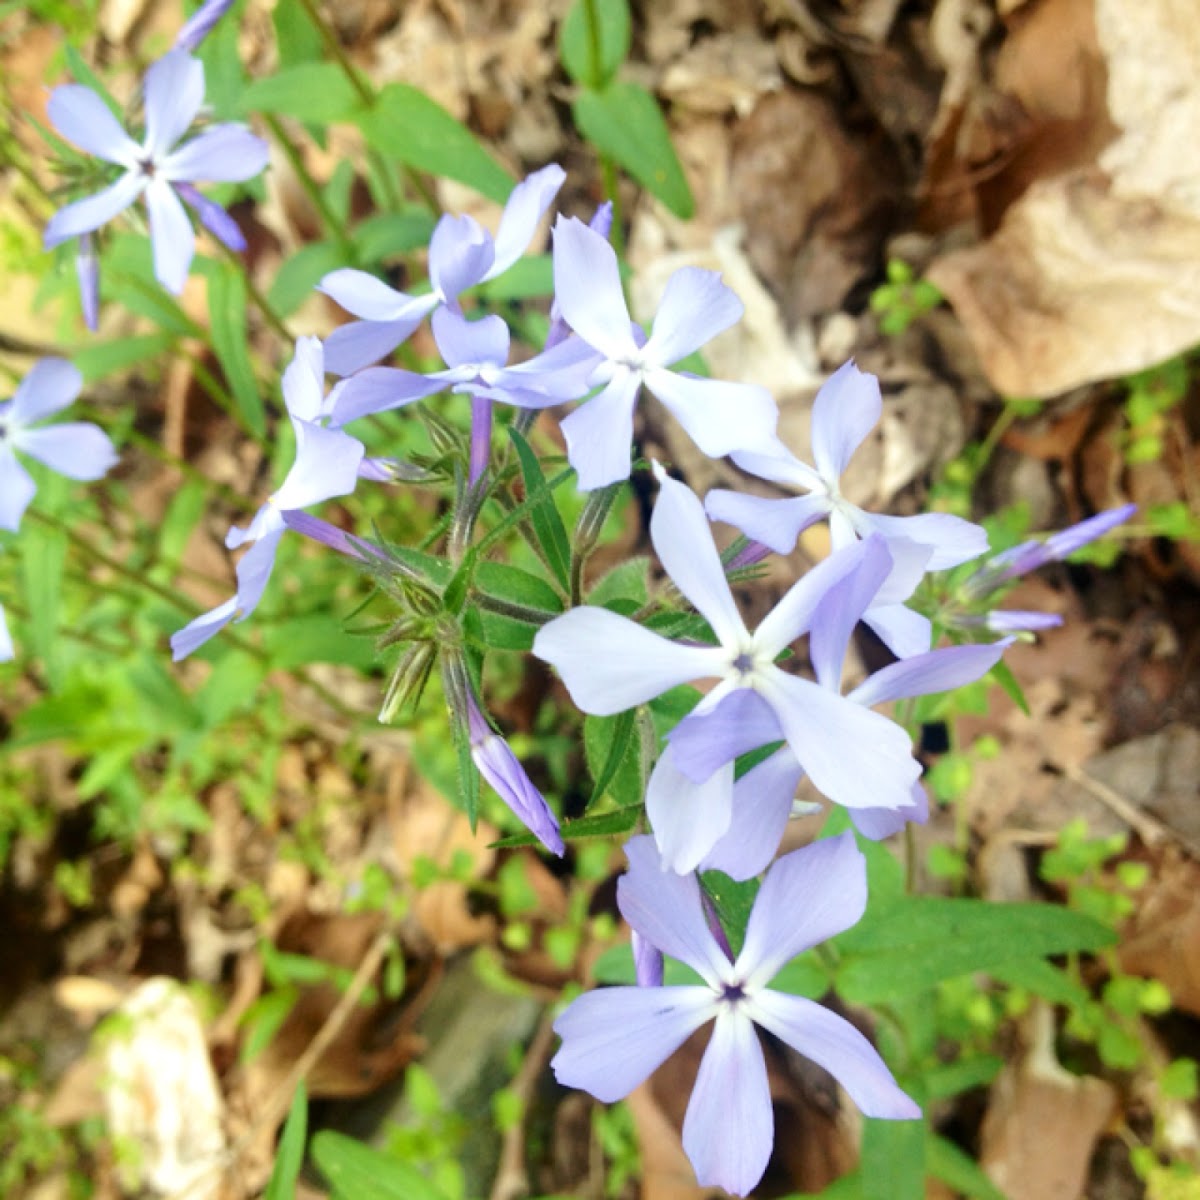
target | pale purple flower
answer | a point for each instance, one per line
(614, 1038)
(846, 409)
(7, 651)
(327, 465)
(76, 449)
(609, 663)
(159, 169)
(201, 24)
(719, 417)
(461, 254)
(503, 771)
(559, 331)
(87, 271)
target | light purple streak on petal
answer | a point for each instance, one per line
(326, 465)
(647, 960)
(836, 1045)
(371, 298)
(741, 722)
(525, 208)
(195, 633)
(76, 449)
(222, 154)
(503, 771)
(470, 343)
(7, 650)
(93, 211)
(846, 409)
(719, 417)
(762, 804)
(327, 534)
(608, 663)
(602, 219)
(174, 91)
(87, 271)
(600, 433)
(201, 24)
(171, 236)
(350, 348)
(952, 539)
(254, 570)
(461, 253)
(49, 387)
(16, 490)
(688, 818)
(880, 823)
(695, 307)
(378, 389)
(794, 613)
(82, 117)
(1074, 537)
(481, 437)
(587, 286)
(901, 630)
(924, 674)
(615, 1038)
(750, 555)
(666, 909)
(856, 757)
(776, 523)
(729, 1128)
(683, 540)
(808, 896)
(840, 611)
(304, 381)
(1016, 621)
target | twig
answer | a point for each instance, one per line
(1151, 830)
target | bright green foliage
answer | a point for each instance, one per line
(903, 298)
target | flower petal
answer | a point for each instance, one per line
(76, 449)
(695, 307)
(50, 385)
(808, 896)
(608, 663)
(7, 650)
(739, 723)
(368, 297)
(254, 569)
(880, 823)
(762, 804)
(462, 342)
(587, 287)
(615, 1038)
(836, 1045)
(776, 523)
(719, 417)
(600, 433)
(846, 409)
(171, 236)
(212, 216)
(174, 90)
(730, 1127)
(93, 211)
(378, 389)
(87, 271)
(350, 348)
(688, 818)
(16, 489)
(304, 380)
(327, 462)
(526, 206)
(901, 630)
(207, 625)
(683, 539)
(222, 154)
(461, 253)
(924, 674)
(82, 117)
(503, 771)
(952, 539)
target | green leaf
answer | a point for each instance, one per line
(954, 1166)
(298, 39)
(1042, 979)
(230, 336)
(224, 78)
(289, 1157)
(608, 743)
(623, 588)
(520, 588)
(803, 976)
(593, 66)
(43, 563)
(263, 1019)
(102, 359)
(918, 941)
(315, 638)
(407, 125)
(893, 1160)
(615, 965)
(231, 687)
(357, 1172)
(299, 273)
(624, 122)
(609, 824)
(733, 902)
(309, 91)
(547, 524)
(949, 1079)
(80, 71)
(388, 235)
(1002, 674)
(529, 278)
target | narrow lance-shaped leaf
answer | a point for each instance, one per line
(230, 335)
(547, 524)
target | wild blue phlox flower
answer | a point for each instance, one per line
(201, 24)
(614, 1038)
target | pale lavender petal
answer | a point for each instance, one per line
(87, 271)
(223, 154)
(174, 90)
(212, 216)
(559, 331)
(600, 433)
(683, 541)
(16, 489)
(1074, 537)
(910, 561)
(846, 409)
(378, 389)
(195, 633)
(844, 529)
(200, 25)
(924, 674)
(840, 611)
(326, 465)
(462, 342)
(666, 909)
(952, 539)
(729, 1128)
(615, 1038)
(83, 118)
(741, 722)
(481, 437)
(304, 380)
(7, 650)
(587, 286)
(880, 823)
(76, 449)
(808, 896)
(856, 757)
(51, 385)
(762, 804)
(695, 307)
(647, 961)
(351, 347)
(901, 630)
(687, 817)
(254, 570)
(719, 417)
(461, 253)
(171, 236)
(330, 535)
(371, 298)
(503, 771)
(608, 663)
(775, 523)
(836, 1045)
(266, 520)
(778, 464)
(525, 208)
(93, 211)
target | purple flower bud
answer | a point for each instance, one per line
(749, 555)
(213, 217)
(481, 436)
(201, 24)
(1015, 621)
(87, 270)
